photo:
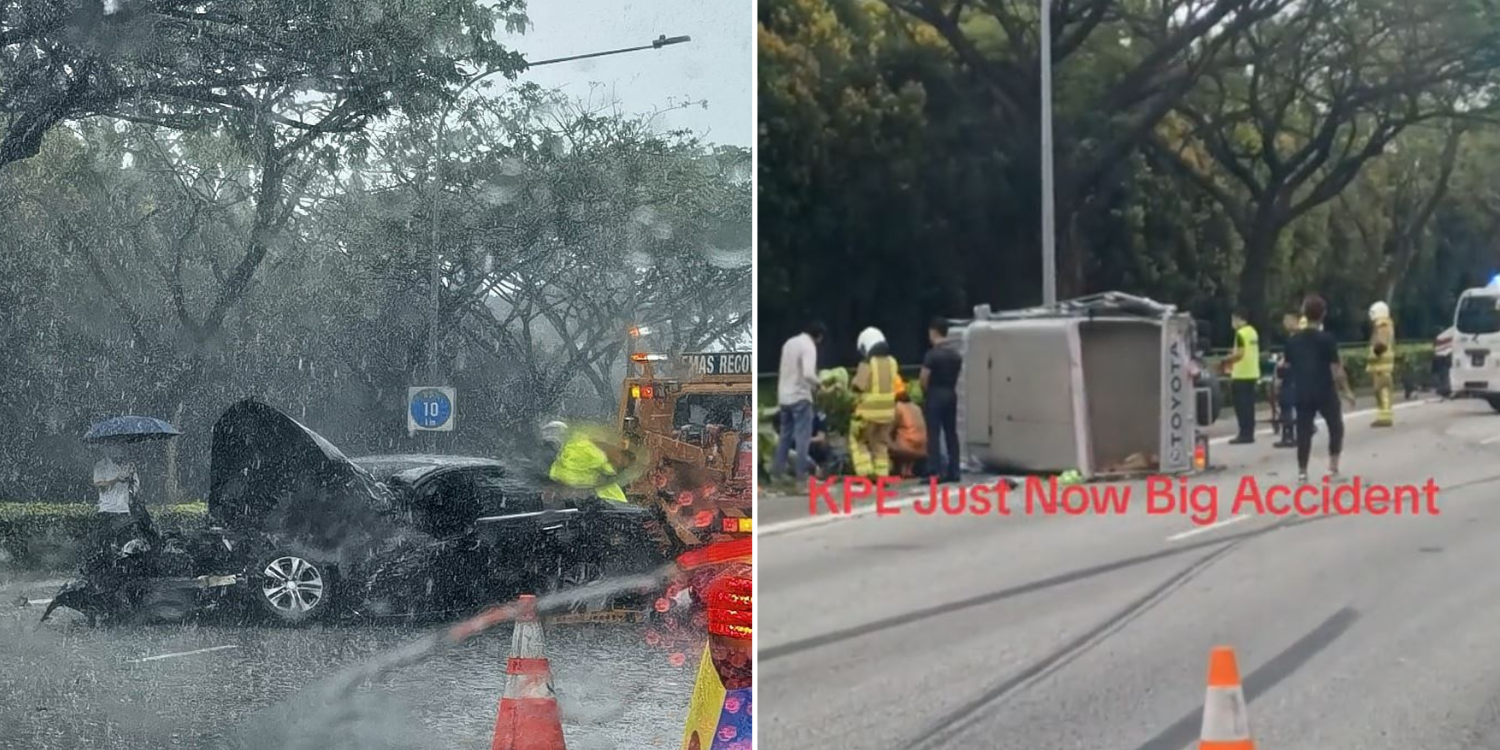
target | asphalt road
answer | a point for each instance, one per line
(1093, 631)
(65, 685)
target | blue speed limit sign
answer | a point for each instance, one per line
(430, 408)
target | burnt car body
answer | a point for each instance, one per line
(299, 532)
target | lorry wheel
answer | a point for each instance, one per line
(292, 589)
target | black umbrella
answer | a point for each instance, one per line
(130, 429)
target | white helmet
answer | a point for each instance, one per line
(553, 432)
(1379, 310)
(868, 338)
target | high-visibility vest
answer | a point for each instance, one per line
(1385, 332)
(1248, 366)
(878, 403)
(582, 465)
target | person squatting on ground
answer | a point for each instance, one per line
(1382, 366)
(909, 447)
(939, 380)
(1318, 379)
(797, 382)
(875, 406)
(1244, 372)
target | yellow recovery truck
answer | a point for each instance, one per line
(692, 416)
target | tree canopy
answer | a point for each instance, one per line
(1208, 153)
(274, 233)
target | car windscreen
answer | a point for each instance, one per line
(711, 408)
(1478, 314)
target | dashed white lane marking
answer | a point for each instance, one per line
(183, 653)
(1211, 527)
(806, 523)
(1489, 440)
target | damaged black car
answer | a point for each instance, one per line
(298, 532)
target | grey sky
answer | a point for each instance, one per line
(715, 66)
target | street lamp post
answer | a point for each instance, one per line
(441, 155)
(1049, 220)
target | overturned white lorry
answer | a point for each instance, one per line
(1107, 385)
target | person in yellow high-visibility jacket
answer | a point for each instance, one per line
(874, 384)
(581, 464)
(1382, 361)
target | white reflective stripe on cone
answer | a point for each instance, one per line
(1225, 718)
(524, 686)
(528, 641)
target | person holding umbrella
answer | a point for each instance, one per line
(119, 486)
(116, 477)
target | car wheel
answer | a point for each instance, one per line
(291, 588)
(1494, 402)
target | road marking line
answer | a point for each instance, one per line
(1211, 527)
(184, 653)
(810, 522)
(1489, 440)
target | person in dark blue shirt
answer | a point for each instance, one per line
(940, 371)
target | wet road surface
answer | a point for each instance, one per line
(65, 685)
(1021, 633)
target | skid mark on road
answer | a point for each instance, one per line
(808, 644)
(951, 726)
(1185, 731)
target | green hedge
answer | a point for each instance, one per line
(47, 535)
(1413, 360)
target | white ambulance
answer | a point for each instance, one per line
(1475, 369)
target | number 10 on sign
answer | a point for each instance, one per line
(429, 409)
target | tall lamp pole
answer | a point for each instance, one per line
(1049, 219)
(441, 154)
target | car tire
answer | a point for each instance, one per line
(1494, 402)
(291, 588)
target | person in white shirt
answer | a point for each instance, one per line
(796, 383)
(117, 482)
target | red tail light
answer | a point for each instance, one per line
(727, 599)
(729, 607)
(720, 552)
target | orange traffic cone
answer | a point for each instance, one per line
(529, 718)
(1226, 719)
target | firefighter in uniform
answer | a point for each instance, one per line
(875, 406)
(1382, 361)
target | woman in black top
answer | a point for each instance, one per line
(1318, 380)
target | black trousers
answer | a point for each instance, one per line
(1243, 392)
(1333, 415)
(942, 421)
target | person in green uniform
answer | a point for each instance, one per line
(1244, 373)
(583, 466)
